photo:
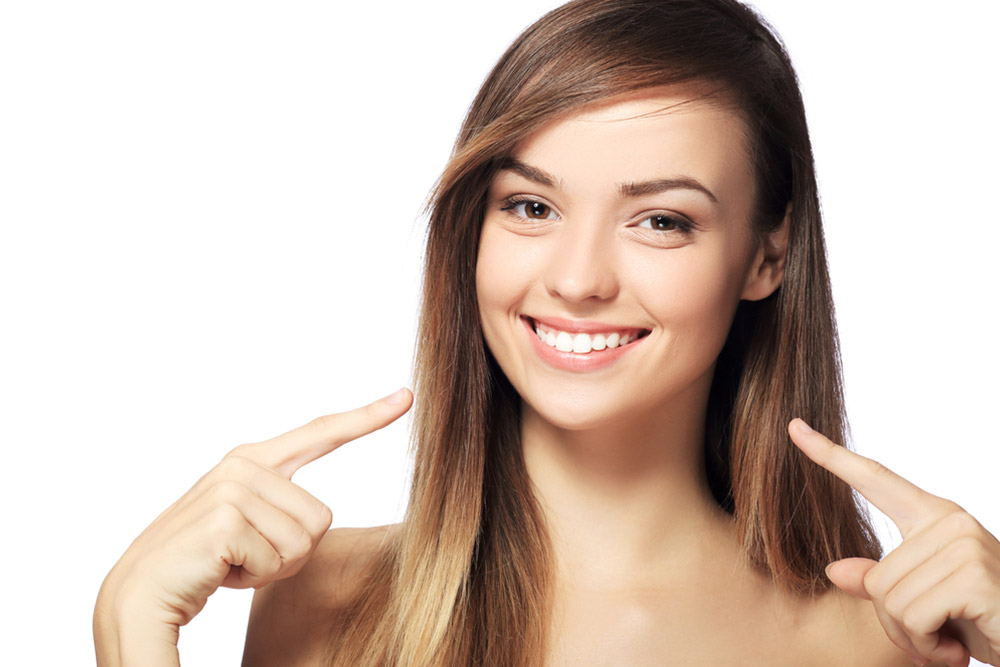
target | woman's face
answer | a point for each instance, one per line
(615, 248)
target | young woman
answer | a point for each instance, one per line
(626, 309)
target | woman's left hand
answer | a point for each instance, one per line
(938, 594)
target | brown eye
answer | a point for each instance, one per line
(667, 223)
(536, 210)
(663, 223)
(530, 209)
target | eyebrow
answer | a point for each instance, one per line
(662, 185)
(626, 190)
(533, 174)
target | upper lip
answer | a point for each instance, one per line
(583, 326)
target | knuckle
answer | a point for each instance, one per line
(960, 522)
(318, 521)
(966, 549)
(239, 450)
(324, 520)
(894, 606)
(302, 547)
(953, 506)
(226, 519)
(323, 423)
(912, 621)
(294, 549)
(324, 426)
(272, 566)
(875, 583)
(227, 492)
(876, 467)
(978, 574)
(235, 464)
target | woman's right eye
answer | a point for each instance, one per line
(530, 209)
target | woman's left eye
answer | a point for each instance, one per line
(665, 223)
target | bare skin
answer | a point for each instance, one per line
(709, 608)
(243, 524)
(719, 613)
(699, 605)
(630, 219)
(291, 620)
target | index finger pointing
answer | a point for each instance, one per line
(290, 451)
(905, 503)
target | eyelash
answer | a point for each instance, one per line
(512, 203)
(679, 223)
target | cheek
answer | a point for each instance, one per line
(489, 265)
(694, 295)
(502, 274)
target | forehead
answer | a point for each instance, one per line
(679, 131)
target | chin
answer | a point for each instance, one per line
(573, 413)
(598, 406)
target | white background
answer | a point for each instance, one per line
(211, 233)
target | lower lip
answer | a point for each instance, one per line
(571, 361)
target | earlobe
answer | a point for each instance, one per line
(768, 267)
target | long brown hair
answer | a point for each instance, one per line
(466, 580)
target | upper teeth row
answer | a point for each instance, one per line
(581, 343)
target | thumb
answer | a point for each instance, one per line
(848, 575)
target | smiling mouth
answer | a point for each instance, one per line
(585, 343)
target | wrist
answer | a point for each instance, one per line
(130, 628)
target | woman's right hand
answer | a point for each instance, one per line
(244, 524)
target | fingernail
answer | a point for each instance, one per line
(828, 568)
(804, 427)
(397, 397)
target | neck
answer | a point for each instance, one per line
(620, 497)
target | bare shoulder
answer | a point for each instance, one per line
(848, 628)
(290, 619)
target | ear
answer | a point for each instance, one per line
(768, 266)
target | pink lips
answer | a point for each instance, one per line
(574, 362)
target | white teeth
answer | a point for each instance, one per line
(582, 343)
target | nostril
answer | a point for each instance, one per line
(581, 268)
(595, 286)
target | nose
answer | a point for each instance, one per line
(581, 265)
